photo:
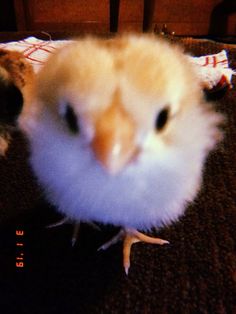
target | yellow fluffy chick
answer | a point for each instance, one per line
(16, 79)
(119, 132)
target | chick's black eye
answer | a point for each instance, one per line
(162, 119)
(71, 119)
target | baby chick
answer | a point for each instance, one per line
(15, 72)
(119, 132)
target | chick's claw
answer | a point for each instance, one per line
(129, 237)
(75, 233)
(63, 221)
(77, 229)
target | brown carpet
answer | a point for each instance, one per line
(196, 273)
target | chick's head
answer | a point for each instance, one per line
(123, 123)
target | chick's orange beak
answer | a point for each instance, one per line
(113, 143)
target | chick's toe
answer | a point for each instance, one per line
(130, 236)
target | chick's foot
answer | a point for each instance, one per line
(67, 220)
(76, 227)
(130, 236)
(63, 221)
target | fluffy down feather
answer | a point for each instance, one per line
(117, 166)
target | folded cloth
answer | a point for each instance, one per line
(213, 69)
(34, 49)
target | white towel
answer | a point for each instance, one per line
(213, 69)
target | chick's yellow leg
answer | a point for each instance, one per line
(129, 237)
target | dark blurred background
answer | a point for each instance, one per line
(198, 18)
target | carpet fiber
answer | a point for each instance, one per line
(196, 273)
